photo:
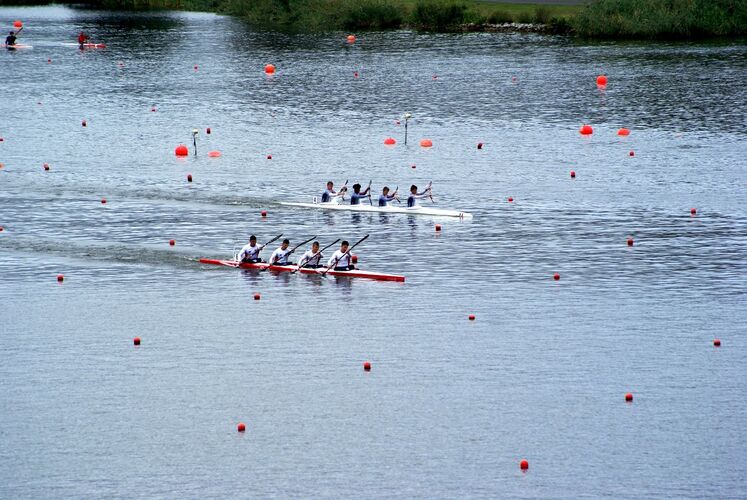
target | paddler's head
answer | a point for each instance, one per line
(344, 246)
(252, 240)
(356, 188)
(330, 185)
(413, 189)
(285, 244)
(385, 190)
(315, 247)
(12, 33)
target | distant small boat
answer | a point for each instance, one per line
(390, 209)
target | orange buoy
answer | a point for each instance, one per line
(263, 213)
(257, 296)
(601, 80)
(17, 24)
(60, 278)
(556, 276)
(241, 427)
(84, 123)
(367, 366)
(389, 141)
(573, 174)
(269, 69)
(586, 130)
(136, 341)
(623, 131)
(269, 157)
(351, 38)
(523, 465)
(214, 154)
(181, 150)
(630, 242)
(426, 143)
(629, 397)
(471, 317)
(438, 227)
(716, 342)
(189, 177)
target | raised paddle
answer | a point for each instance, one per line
(323, 273)
(313, 257)
(293, 250)
(369, 193)
(429, 188)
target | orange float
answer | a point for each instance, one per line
(214, 154)
(601, 80)
(181, 150)
(623, 131)
(586, 130)
(269, 69)
(426, 143)
(389, 141)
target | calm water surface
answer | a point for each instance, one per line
(451, 406)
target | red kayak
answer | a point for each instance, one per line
(263, 265)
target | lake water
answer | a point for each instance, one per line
(450, 406)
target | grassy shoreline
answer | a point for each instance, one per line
(611, 19)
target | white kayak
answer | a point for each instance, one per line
(391, 209)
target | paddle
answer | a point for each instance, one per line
(369, 193)
(394, 195)
(314, 256)
(429, 188)
(238, 263)
(293, 250)
(323, 273)
(343, 189)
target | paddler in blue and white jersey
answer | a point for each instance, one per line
(341, 259)
(330, 194)
(250, 252)
(385, 197)
(414, 195)
(355, 197)
(280, 256)
(311, 258)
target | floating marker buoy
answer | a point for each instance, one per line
(630, 242)
(601, 80)
(556, 276)
(269, 157)
(263, 213)
(367, 366)
(716, 342)
(623, 131)
(208, 131)
(181, 150)
(2, 229)
(49, 61)
(354, 259)
(152, 110)
(351, 38)
(389, 141)
(17, 24)
(632, 153)
(189, 177)
(573, 174)
(397, 122)
(256, 296)
(1, 139)
(438, 228)
(523, 465)
(103, 201)
(136, 341)
(84, 123)
(60, 278)
(471, 317)
(629, 397)
(435, 77)
(355, 74)
(269, 69)
(196, 68)
(586, 130)
(46, 166)
(241, 427)
(693, 211)
(214, 154)
(426, 143)
(172, 243)
(413, 166)
(479, 145)
(510, 199)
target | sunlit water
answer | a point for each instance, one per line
(451, 406)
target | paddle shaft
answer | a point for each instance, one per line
(343, 255)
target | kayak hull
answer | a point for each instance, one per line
(417, 210)
(86, 45)
(17, 46)
(260, 266)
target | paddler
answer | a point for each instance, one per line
(330, 192)
(311, 258)
(10, 40)
(355, 198)
(414, 195)
(341, 259)
(385, 197)
(280, 256)
(82, 39)
(250, 252)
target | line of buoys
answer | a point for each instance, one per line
(189, 177)
(716, 342)
(623, 131)
(586, 130)
(172, 243)
(355, 74)
(601, 80)
(60, 278)
(257, 296)
(628, 397)
(136, 341)
(181, 150)
(351, 38)
(438, 228)
(573, 174)
(241, 427)
(426, 143)
(389, 141)
(630, 242)
(471, 317)
(214, 154)
(367, 366)
(556, 276)
(524, 465)
(269, 69)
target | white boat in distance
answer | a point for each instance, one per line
(416, 210)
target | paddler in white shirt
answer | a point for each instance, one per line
(341, 259)
(250, 252)
(385, 197)
(313, 257)
(280, 256)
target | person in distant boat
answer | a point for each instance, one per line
(385, 197)
(82, 39)
(341, 259)
(10, 40)
(329, 194)
(250, 252)
(355, 198)
(311, 258)
(280, 256)
(414, 195)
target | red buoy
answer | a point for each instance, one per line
(208, 131)
(196, 67)
(172, 242)
(1, 139)
(241, 427)
(717, 342)
(17, 24)
(84, 123)
(556, 276)
(214, 154)
(693, 211)
(136, 341)
(49, 61)
(351, 38)
(586, 130)
(103, 201)
(523, 465)
(152, 110)
(438, 227)
(389, 141)
(46, 166)
(60, 277)
(269, 157)
(367, 366)
(269, 69)
(413, 166)
(573, 174)
(257, 296)
(355, 74)
(471, 317)
(629, 397)
(354, 259)
(623, 131)
(479, 145)
(510, 199)
(632, 153)
(426, 143)
(2, 229)
(189, 177)
(181, 150)
(601, 80)
(630, 242)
